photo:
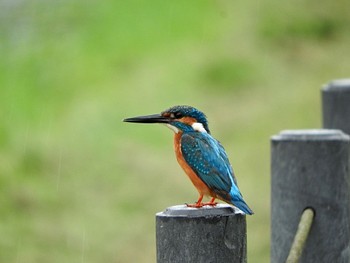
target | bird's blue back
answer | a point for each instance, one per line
(208, 159)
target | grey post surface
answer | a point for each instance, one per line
(310, 168)
(208, 234)
(336, 105)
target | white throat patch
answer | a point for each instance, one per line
(173, 128)
(198, 127)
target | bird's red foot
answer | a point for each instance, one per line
(195, 205)
(210, 203)
(199, 203)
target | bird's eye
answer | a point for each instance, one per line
(175, 115)
(178, 115)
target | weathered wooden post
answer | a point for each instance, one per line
(209, 234)
(310, 169)
(336, 105)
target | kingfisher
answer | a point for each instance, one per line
(200, 155)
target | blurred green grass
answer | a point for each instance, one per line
(77, 184)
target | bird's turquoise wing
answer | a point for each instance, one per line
(208, 159)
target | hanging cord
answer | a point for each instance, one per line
(301, 235)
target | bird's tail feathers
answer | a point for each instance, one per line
(241, 205)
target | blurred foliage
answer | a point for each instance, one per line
(77, 184)
(312, 20)
(227, 74)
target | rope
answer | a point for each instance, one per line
(301, 235)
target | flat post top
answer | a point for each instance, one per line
(311, 135)
(338, 85)
(205, 211)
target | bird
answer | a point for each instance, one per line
(200, 155)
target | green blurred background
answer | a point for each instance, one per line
(79, 185)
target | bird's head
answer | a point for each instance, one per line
(178, 118)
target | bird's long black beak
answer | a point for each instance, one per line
(154, 118)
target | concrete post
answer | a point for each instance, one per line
(336, 105)
(310, 168)
(209, 234)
